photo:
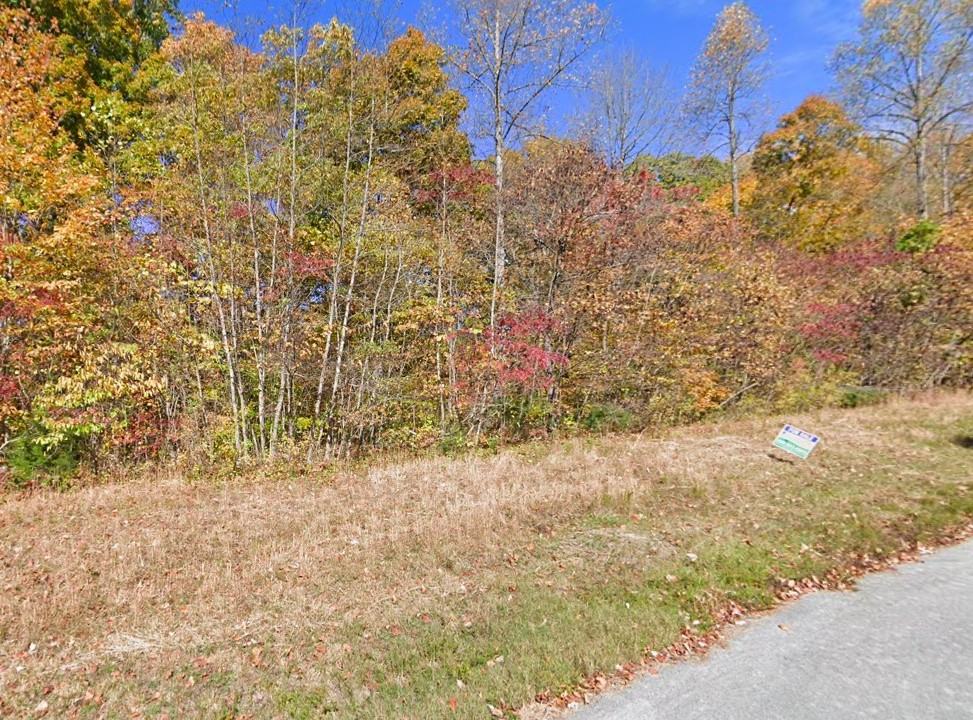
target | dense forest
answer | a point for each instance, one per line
(310, 246)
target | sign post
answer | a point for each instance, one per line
(796, 442)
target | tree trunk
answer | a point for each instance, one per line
(921, 160)
(359, 239)
(336, 276)
(239, 431)
(734, 152)
(499, 251)
(946, 179)
(921, 149)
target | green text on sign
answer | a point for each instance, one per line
(797, 442)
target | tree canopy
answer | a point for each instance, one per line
(215, 252)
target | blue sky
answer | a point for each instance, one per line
(803, 33)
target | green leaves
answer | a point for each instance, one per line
(920, 238)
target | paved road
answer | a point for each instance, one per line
(901, 647)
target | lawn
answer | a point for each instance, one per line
(450, 588)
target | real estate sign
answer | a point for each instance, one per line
(797, 442)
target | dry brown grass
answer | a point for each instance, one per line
(112, 593)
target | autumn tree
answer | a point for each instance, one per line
(908, 76)
(242, 251)
(75, 377)
(692, 320)
(294, 201)
(816, 175)
(101, 46)
(435, 161)
(574, 218)
(725, 81)
(514, 52)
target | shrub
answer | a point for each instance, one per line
(31, 462)
(853, 397)
(920, 238)
(606, 418)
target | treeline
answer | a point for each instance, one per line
(212, 252)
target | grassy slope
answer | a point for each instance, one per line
(392, 592)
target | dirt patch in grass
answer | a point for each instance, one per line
(444, 588)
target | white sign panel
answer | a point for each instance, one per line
(797, 442)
